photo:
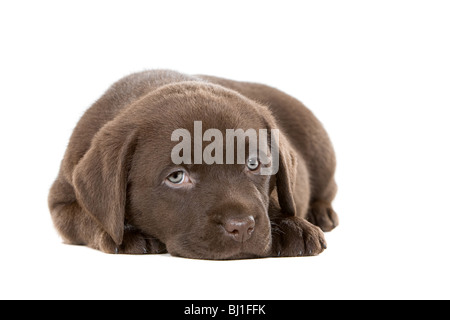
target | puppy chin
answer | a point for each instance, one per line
(215, 255)
(243, 251)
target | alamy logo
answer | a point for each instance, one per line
(235, 140)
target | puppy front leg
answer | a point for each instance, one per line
(295, 237)
(134, 242)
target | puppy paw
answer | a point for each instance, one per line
(134, 242)
(323, 216)
(294, 237)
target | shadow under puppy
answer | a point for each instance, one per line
(119, 191)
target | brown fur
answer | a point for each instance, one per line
(109, 193)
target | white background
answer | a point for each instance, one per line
(376, 73)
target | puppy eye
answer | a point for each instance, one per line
(253, 164)
(177, 177)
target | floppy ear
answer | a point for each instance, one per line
(286, 177)
(287, 166)
(100, 178)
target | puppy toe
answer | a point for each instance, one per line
(105, 243)
(154, 246)
(314, 241)
(135, 242)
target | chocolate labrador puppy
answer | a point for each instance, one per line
(119, 190)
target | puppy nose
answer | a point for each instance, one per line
(240, 229)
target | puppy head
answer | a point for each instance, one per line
(199, 210)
